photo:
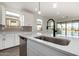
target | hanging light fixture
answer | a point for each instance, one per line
(39, 12)
(54, 5)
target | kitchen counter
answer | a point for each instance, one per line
(71, 48)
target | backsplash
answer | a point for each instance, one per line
(23, 28)
(27, 28)
(1, 27)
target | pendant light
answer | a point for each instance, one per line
(54, 5)
(39, 12)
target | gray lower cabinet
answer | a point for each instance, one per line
(37, 49)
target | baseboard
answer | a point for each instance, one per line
(10, 48)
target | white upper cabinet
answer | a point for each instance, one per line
(28, 19)
(2, 15)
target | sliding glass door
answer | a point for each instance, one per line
(69, 29)
(59, 29)
(63, 29)
(75, 29)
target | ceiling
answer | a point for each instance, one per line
(64, 9)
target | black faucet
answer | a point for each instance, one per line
(54, 34)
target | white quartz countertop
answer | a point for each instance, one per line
(73, 46)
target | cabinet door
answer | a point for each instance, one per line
(1, 46)
(9, 41)
(16, 39)
(2, 40)
(28, 19)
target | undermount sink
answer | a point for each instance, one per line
(59, 41)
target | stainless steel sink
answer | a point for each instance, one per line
(55, 40)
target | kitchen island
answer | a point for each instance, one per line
(36, 47)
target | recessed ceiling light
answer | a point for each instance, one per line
(54, 5)
(39, 12)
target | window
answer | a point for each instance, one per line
(75, 29)
(59, 29)
(39, 24)
(69, 29)
(63, 29)
(50, 24)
